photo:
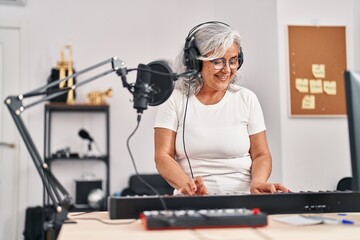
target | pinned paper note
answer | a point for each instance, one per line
(308, 102)
(330, 87)
(316, 86)
(318, 70)
(302, 85)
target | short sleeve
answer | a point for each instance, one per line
(167, 115)
(256, 122)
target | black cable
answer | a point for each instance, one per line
(82, 213)
(183, 137)
(148, 70)
(104, 222)
(135, 168)
(175, 76)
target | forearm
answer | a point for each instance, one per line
(261, 169)
(171, 171)
(169, 168)
(261, 158)
(260, 172)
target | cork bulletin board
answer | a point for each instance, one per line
(317, 60)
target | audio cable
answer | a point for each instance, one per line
(183, 133)
(135, 168)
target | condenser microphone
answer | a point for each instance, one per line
(85, 135)
(143, 91)
(155, 83)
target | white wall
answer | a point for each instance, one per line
(137, 31)
(314, 151)
(356, 16)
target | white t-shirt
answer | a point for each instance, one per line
(216, 137)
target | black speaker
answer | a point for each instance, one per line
(83, 188)
(40, 224)
(191, 51)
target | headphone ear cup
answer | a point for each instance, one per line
(240, 58)
(191, 54)
(194, 62)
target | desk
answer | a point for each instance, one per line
(119, 229)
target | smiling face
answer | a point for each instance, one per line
(219, 80)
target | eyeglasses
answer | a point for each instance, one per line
(220, 63)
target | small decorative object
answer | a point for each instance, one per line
(96, 199)
(98, 98)
(64, 69)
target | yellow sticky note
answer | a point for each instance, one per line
(308, 102)
(302, 85)
(330, 87)
(318, 70)
(316, 86)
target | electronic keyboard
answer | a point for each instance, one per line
(276, 203)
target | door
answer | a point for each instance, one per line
(10, 221)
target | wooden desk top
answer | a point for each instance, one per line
(97, 225)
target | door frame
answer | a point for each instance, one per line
(22, 172)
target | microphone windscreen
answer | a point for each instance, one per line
(162, 83)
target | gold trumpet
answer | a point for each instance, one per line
(98, 97)
(63, 66)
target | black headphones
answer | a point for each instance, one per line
(191, 51)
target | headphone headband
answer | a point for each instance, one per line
(191, 51)
(196, 28)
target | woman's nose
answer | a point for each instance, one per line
(226, 68)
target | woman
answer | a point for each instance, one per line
(210, 134)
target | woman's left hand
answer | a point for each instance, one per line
(257, 188)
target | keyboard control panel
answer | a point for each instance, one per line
(203, 218)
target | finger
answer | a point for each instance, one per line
(282, 188)
(272, 188)
(201, 188)
(183, 191)
(205, 191)
(189, 189)
(199, 180)
(186, 191)
(192, 186)
(255, 191)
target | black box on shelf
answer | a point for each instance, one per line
(83, 188)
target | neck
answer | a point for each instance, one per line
(210, 97)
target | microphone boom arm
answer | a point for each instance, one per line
(142, 91)
(117, 65)
(59, 197)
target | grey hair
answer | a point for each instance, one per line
(212, 40)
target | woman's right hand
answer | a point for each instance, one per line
(194, 187)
